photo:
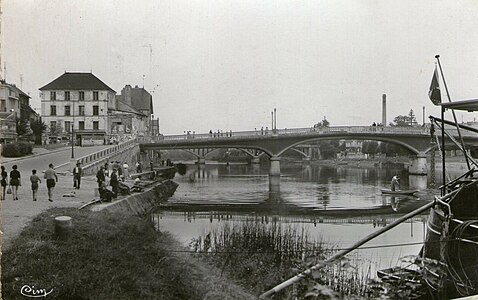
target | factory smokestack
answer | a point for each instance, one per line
(384, 110)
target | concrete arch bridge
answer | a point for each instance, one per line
(275, 142)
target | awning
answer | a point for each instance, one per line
(466, 105)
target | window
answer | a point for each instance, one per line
(67, 110)
(52, 110)
(95, 96)
(81, 109)
(96, 125)
(82, 96)
(52, 126)
(3, 106)
(81, 125)
(96, 110)
(67, 96)
(67, 126)
(52, 95)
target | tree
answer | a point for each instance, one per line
(323, 123)
(22, 126)
(405, 120)
(38, 127)
(56, 130)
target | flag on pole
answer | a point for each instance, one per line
(434, 93)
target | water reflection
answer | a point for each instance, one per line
(338, 204)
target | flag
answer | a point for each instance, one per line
(434, 92)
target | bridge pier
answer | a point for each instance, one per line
(275, 166)
(419, 165)
(274, 175)
(201, 161)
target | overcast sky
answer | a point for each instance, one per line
(226, 64)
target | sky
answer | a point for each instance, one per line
(225, 65)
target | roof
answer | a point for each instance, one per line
(76, 81)
(124, 107)
(466, 105)
(19, 91)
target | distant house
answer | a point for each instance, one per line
(14, 105)
(78, 101)
(141, 101)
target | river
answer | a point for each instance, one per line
(336, 204)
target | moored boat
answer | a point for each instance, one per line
(452, 226)
(399, 192)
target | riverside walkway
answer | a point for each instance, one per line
(15, 215)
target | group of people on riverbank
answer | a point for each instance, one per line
(118, 175)
(11, 186)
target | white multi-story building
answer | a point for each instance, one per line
(78, 101)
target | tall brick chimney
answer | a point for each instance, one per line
(384, 110)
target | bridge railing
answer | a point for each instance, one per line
(286, 131)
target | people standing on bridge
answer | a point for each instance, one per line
(395, 184)
(4, 182)
(77, 173)
(15, 181)
(100, 177)
(51, 180)
(34, 179)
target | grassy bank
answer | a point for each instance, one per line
(106, 257)
(261, 256)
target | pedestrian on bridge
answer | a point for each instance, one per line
(15, 181)
(51, 180)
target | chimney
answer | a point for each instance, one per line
(127, 94)
(384, 110)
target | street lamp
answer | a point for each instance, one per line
(72, 140)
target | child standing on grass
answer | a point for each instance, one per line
(34, 180)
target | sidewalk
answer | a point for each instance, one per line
(15, 215)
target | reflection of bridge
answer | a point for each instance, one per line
(275, 142)
(380, 220)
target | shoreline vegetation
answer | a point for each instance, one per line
(107, 256)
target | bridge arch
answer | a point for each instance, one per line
(249, 153)
(381, 139)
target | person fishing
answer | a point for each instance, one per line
(395, 183)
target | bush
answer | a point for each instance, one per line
(17, 149)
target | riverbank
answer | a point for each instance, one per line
(107, 256)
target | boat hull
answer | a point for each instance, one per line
(400, 192)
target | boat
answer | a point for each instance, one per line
(399, 192)
(452, 226)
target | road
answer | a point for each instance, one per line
(56, 157)
(14, 215)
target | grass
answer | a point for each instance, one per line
(264, 255)
(107, 256)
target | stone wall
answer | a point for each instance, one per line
(141, 203)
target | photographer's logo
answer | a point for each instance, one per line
(32, 292)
